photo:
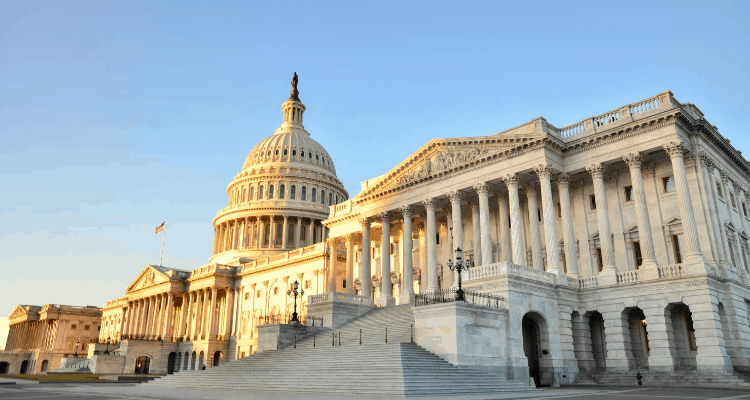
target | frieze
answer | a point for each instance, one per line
(644, 289)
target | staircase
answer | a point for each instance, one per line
(320, 365)
(662, 379)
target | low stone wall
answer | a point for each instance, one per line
(336, 310)
(271, 337)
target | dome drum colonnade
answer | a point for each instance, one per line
(512, 236)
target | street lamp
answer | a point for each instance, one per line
(294, 293)
(459, 265)
(109, 339)
(78, 343)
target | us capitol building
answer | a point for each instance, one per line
(613, 245)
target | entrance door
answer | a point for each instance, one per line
(24, 367)
(531, 338)
(4, 367)
(142, 364)
(171, 362)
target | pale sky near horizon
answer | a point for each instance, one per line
(114, 115)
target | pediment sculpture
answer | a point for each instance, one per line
(441, 161)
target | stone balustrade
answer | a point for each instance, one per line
(506, 268)
(588, 283)
(627, 277)
(671, 271)
(336, 296)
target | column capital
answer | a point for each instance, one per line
(707, 161)
(481, 188)
(511, 180)
(429, 204)
(596, 170)
(332, 241)
(406, 210)
(350, 238)
(365, 222)
(455, 197)
(739, 188)
(531, 188)
(286, 280)
(674, 148)
(634, 160)
(612, 178)
(563, 179)
(543, 170)
(384, 216)
(726, 178)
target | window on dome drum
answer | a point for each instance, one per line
(309, 154)
(258, 293)
(330, 198)
(324, 160)
(277, 152)
(270, 191)
(294, 153)
(247, 296)
(302, 231)
(252, 193)
(539, 214)
(302, 154)
(599, 261)
(260, 193)
(592, 202)
(668, 184)
(282, 188)
(317, 158)
(744, 209)
(304, 193)
(628, 193)
(293, 192)
(337, 202)
(558, 208)
(322, 197)
(313, 195)
(269, 152)
(286, 152)
(719, 191)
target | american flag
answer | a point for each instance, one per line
(160, 227)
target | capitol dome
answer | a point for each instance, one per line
(281, 195)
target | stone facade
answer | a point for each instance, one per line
(41, 337)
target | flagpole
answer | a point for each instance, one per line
(163, 235)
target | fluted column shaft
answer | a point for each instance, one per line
(364, 267)
(536, 239)
(550, 229)
(284, 233)
(602, 218)
(476, 232)
(272, 238)
(189, 320)
(386, 294)
(484, 223)
(297, 232)
(259, 236)
(209, 330)
(167, 326)
(407, 293)
(447, 273)
(516, 233)
(503, 217)
(641, 210)
(458, 230)
(332, 265)
(311, 236)
(690, 230)
(432, 274)
(569, 237)
(350, 264)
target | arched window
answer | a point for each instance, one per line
(302, 153)
(309, 153)
(330, 198)
(270, 191)
(302, 233)
(277, 152)
(292, 193)
(322, 197)
(313, 195)
(243, 195)
(260, 193)
(317, 158)
(286, 152)
(282, 188)
(304, 193)
(337, 199)
(290, 235)
(294, 153)
(252, 193)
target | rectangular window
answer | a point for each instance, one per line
(676, 247)
(628, 193)
(247, 296)
(437, 238)
(72, 327)
(734, 202)
(539, 214)
(308, 284)
(592, 202)
(637, 254)
(392, 248)
(599, 261)
(344, 284)
(719, 191)
(668, 184)
(86, 327)
(744, 209)
(558, 207)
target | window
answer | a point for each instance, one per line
(317, 158)
(286, 152)
(392, 250)
(322, 197)
(293, 192)
(86, 327)
(247, 296)
(592, 202)
(637, 257)
(539, 214)
(302, 234)
(304, 193)
(324, 160)
(294, 153)
(313, 195)
(302, 154)
(308, 284)
(437, 238)
(344, 285)
(330, 198)
(252, 193)
(337, 202)
(558, 207)
(270, 191)
(599, 261)
(734, 202)
(668, 184)
(744, 209)
(628, 193)
(73, 326)
(276, 290)
(282, 189)
(260, 193)
(277, 152)
(719, 191)
(309, 155)
(676, 247)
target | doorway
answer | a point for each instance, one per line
(531, 347)
(142, 364)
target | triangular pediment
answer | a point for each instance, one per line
(151, 275)
(444, 156)
(19, 311)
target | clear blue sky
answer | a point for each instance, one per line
(116, 114)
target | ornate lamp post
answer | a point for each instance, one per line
(109, 339)
(294, 293)
(78, 343)
(459, 265)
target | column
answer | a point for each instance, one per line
(645, 238)
(181, 328)
(235, 231)
(484, 223)
(204, 314)
(386, 294)
(689, 229)
(502, 220)
(216, 238)
(407, 293)
(163, 315)
(272, 235)
(168, 329)
(123, 325)
(311, 236)
(515, 220)
(447, 273)
(432, 272)
(332, 264)
(259, 242)
(458, 228)
(364, 267)
(128, 318)
(608, 274)
(349, 263)
(152, 316)
(707, 168)
(210, 332)
(536, 239)
(230, 309)
(235, 310)
(423, 270)
(195, 320)
(284, 233)
(550, 229)
(569, 238)
(476, 232)
(297, 232)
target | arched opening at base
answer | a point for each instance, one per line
(24, 367)
(201, 361)
(536, 346)
(217, 358)
(171, 362)
(4, 367)
(45, 365)
(639, 346)
(142, 364)
(192, 361)
(683, 334)
(598, 340)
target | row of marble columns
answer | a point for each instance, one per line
(249, 233)
(511, 237)
(148, 317)
(31, 335)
